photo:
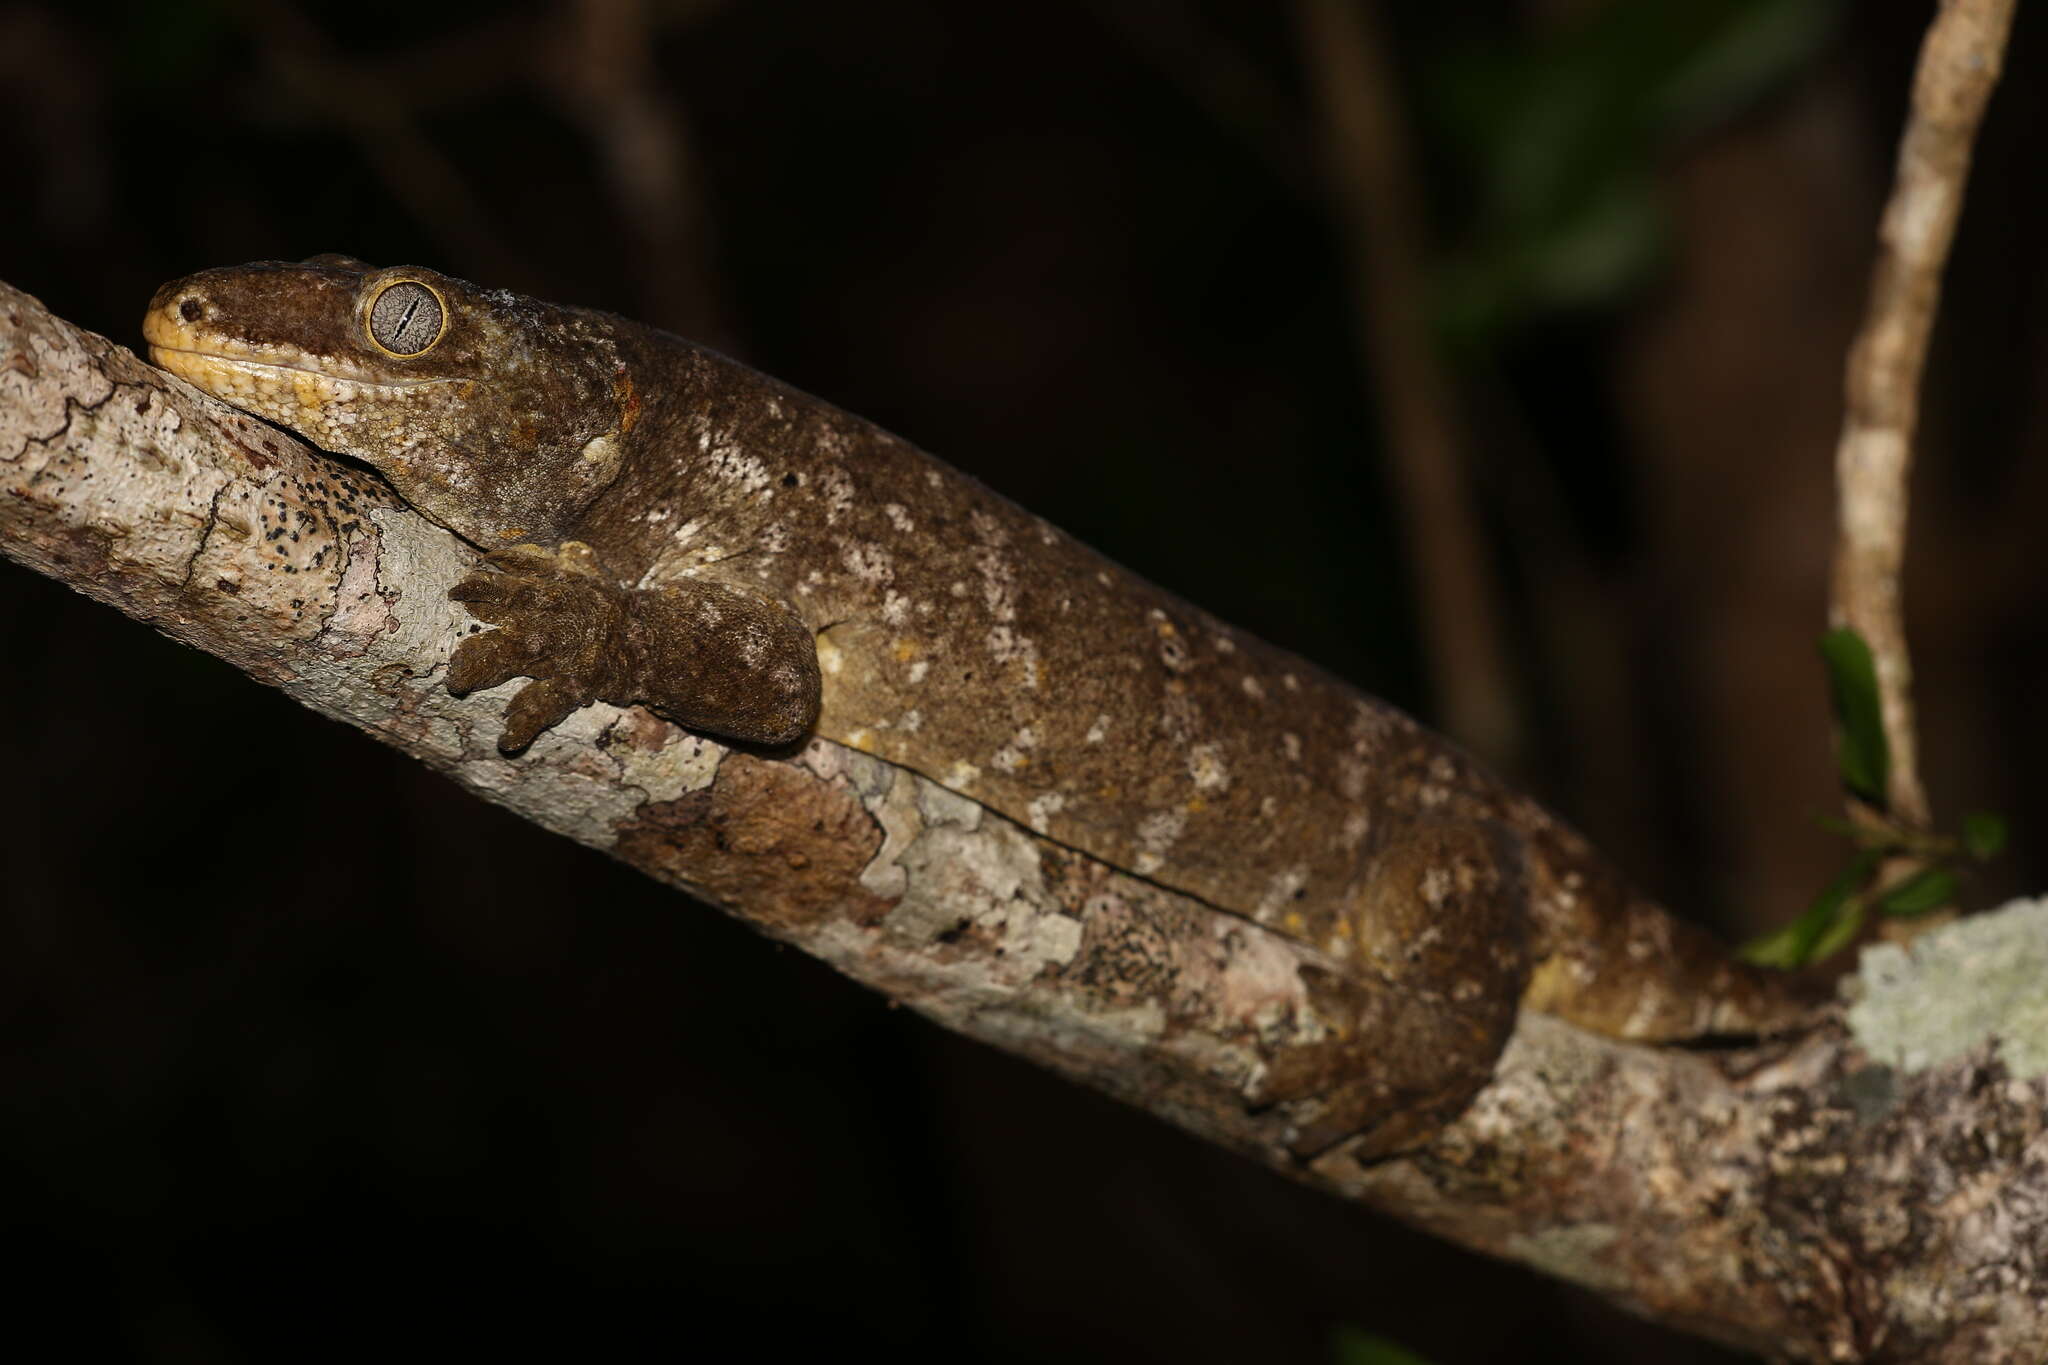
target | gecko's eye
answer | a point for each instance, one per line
(406, 317)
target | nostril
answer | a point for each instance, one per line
(190, 310)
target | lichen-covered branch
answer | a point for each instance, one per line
(1959, 66)
(1812, 1198)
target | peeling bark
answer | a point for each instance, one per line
(1819, 1199)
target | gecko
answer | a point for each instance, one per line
(663, 526)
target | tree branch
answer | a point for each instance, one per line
(1959, 66)
(1818, 1198)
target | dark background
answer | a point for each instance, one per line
(306, 1055)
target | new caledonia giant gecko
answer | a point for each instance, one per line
(669, 528)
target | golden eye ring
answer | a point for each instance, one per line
(405, 318)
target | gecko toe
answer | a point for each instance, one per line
(539, 706)
(483, 661)
(480, 587)
(500, 598)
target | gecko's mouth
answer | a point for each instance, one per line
(187, 361)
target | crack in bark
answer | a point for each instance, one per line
(206, 530)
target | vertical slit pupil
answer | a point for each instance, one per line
(406, 318)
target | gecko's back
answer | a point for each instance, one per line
(965, 638)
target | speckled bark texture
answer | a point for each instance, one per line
(1810, 1198)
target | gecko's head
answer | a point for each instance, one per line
(498, 416)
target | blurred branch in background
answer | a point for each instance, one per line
(1959, 66)
(1624, 180)
(51, 78)
(595, 60)
(380, 116)
(605, 78)
(1640, 166)
(1230, 88)
(1365, 180)
(1757, 183)
(1377, 203)
(1552, 142)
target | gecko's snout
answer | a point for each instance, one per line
(176, 322)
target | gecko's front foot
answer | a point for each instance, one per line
(558, 622)
(712, 656)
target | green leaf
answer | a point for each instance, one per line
(1831, 921)
(1840, 934)
(1779, 949)
(1928, 889)
(1984, 834)
(1349, 1346)
(175, 43)
(1745, 48)
(1555, 143)
(1860, 749)
(1593, 253)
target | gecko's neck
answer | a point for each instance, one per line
(637, 516)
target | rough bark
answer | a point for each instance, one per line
(1877, 1190)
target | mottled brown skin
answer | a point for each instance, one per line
(673, 529)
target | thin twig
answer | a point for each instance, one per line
(1370, 180)
(1959, 66)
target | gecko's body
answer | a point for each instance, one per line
(751, 561)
